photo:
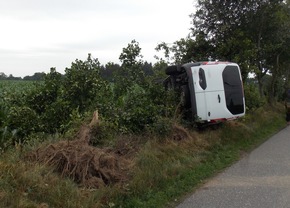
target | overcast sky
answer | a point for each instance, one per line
(36, 35)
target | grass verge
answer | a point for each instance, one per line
(165, 170)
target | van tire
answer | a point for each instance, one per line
(172, 70)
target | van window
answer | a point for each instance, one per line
(202, 80)
(233, 90)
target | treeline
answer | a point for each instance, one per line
(36, 77)
(3, 76)
(106, 71)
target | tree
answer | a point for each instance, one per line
(239, 31)
(185, 50)
(131, 71)
(107, 72)
(269, 16)
(3, 76)
(279, 48)
(36, 76)
(83, 84)
(147, 69)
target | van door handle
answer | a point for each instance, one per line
(219, 98)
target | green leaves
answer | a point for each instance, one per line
(131, 103)
(131, 55)
(131, 71)
(253, 33)
(24, 119)
(82, 83)
(136, 109)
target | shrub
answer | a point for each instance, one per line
(83, 84)
(44, 94)
(22, 119)
(252, 96)
(55, 116)
(141, 107)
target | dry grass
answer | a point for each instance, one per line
(88, 166)
(25, 184)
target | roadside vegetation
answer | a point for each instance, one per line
(112, 136)
(161, 169)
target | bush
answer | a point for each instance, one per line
(83, 84)
(22, 119)
(252, 96)
(46, 93)
(141, 107)
(129, 105)
(56, 115)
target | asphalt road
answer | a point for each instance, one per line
(260, 180)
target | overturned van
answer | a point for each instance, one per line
(210, 91)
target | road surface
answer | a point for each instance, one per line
(259, 180)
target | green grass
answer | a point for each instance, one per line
(165, 169)
(23, 184)
(166, 175)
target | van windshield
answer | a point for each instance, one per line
(233, 90)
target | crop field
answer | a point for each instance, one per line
(14, 89)
(12, 92)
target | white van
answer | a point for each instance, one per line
(212, 91)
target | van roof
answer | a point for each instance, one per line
(206, 63)
(214, 62)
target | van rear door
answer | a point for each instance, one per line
(214, 94)
(209, 91)
(224, 95)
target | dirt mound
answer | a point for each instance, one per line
(87, 165)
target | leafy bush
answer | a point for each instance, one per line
(83, 85)
(141, 106)
(55, 116)
(22, 119)
(136, 109)
(131, 104)
(252, 96)
(45, 93)
(47, 103)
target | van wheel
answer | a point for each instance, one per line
(171, 70)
